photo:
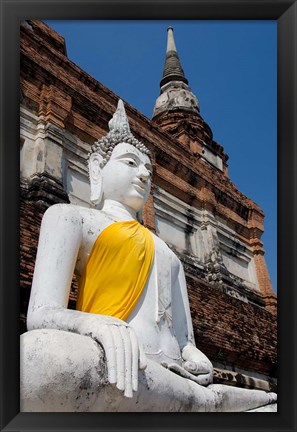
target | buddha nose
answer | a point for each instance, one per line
(143, 173)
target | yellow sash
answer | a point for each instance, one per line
(117, 270)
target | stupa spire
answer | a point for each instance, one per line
(173, 70)
(170, 40)
(175, 94)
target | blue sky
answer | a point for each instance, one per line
(231, 68)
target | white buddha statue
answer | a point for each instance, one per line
(129, 346)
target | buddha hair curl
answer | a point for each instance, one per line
(105, 145)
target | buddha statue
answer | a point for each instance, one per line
(129, 345)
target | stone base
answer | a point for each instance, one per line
(266, 408)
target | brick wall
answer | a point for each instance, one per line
(232, 332)
(30, 220)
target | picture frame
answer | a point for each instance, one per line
(285, 12)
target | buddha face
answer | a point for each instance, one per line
(126, 178)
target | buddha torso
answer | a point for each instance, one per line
(152, 316)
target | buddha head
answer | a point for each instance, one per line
(120, 165)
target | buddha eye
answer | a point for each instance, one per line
(131, 162)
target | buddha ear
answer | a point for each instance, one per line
(95, 173)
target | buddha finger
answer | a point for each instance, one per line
(106, 338)
(203, 379)
(128, 362)
(135, 357)
(196, 367)
(173, 367)
(120, 357)
(142, 358)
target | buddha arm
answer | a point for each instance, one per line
(59, 243)
(195, 362)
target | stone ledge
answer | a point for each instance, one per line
(223, 376)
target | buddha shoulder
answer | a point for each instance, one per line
(60, 215)
(73, 214)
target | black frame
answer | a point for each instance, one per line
(285, 12)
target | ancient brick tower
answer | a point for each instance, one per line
(194, 206)
(243, 269)
(221, 244)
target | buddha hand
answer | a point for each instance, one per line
(196, 366)
(123, 355)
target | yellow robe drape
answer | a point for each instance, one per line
(117, 270)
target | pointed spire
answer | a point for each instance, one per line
(175, 94)
(172, 69)
(170, 40)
